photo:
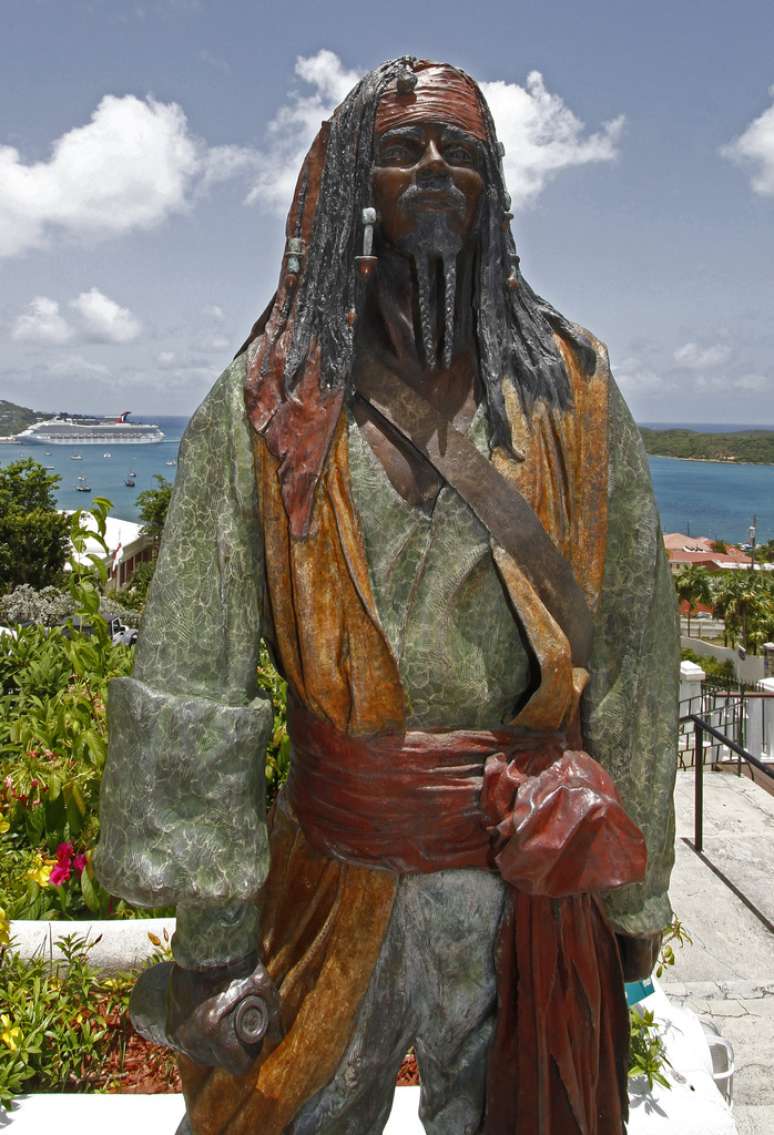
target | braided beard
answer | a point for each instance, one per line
(433, 240)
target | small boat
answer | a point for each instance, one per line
(47, 453)
(107, 455)
(131, 480)
(170, 463)
(49, 466)
(83, 486)
(75, 457)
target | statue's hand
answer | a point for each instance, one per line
(638, 955)
(220, 1017)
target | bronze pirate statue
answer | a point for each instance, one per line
(419, 484)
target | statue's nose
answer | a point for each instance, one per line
(431, 167)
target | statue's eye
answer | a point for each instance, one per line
(458, 154)
(398, 153)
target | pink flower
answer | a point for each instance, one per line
(64, 854)
(79, 862)
(60, 873)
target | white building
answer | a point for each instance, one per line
(127, 549)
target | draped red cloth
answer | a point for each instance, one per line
(550, 821)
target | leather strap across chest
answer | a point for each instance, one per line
(501, 508)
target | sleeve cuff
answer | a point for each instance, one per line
(653, 916)
(182, 808)
(215, 935)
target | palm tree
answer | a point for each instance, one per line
(745, 600)
(726, 588)
(693, 587)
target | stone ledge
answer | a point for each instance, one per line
(118, 944)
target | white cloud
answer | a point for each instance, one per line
(214, 312)
(703, 382)
(541, 134)
(754, 382)
(77, 365)
(636, 379)
(166, 359)
(98, 319)
(103, 320)
(221, 163)
(692, 356)
(755, 148)
(295, 124)
(42, 322)
(214, 343)
(130, 167)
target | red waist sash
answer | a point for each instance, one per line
(549, 819)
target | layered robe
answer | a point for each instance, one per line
(189, 728)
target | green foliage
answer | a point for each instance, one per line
(33, 535)
(59, 1025)
(712, 667)
(647, 1053)
(152, 505)
(745, 602)
(692, 584)
(278, 749)
(136, 593)
(754, 445)
(676, 933)
(764, 553)
(53, 740)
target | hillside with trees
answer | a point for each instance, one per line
(14, 419)
(755, 446)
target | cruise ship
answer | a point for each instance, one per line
(62, 430)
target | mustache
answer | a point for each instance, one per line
(417, 195)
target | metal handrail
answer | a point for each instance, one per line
(700, 726)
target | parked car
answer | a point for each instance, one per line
(120, 633)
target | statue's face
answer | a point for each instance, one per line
(427, 183)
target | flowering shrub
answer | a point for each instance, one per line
(49, 606)
(63, 1028)
(53, 740)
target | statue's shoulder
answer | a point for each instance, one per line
(590, 353)
(225, 403)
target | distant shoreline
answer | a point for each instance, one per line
(713, 460)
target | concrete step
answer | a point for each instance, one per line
(754, 1119)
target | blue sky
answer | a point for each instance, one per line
(146, 149)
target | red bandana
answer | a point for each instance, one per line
(442, 94)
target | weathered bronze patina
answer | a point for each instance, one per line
(418, 482)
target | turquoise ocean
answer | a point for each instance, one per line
(700, 498)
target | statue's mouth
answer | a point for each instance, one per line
(432, 201)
